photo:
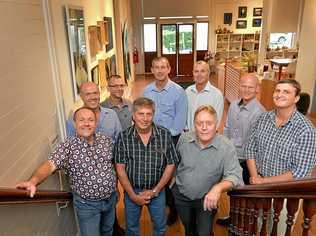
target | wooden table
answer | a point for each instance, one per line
(281, 62)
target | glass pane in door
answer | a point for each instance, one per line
(169, 39)
(185, 39)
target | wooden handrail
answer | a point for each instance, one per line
(246, 203)
(304, 188)
(18, 196)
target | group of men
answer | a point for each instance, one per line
(145, 146)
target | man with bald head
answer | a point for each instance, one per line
(242, 114)
(107, 120)
(203, 93)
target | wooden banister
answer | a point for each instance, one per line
(18, 196)
(252, 202)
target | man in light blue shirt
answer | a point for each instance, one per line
(242, 115)
(171, 103)
(171, 107)
(203, 93)
(107, 120)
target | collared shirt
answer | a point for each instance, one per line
(89, 167)
(171, 106)
(145, 165)
(108, 124)
(208, 96)
(124, 112)
(201, 168)
(240, 119)
(290, 147)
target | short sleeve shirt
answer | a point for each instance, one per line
(89, 167)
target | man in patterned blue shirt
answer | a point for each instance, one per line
(87, 159)
(282, 144)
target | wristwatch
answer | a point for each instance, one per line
(155, 193)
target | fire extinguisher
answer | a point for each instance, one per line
(135, 55)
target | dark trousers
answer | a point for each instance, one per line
(196, 221)
(169, 196)
(245, 171)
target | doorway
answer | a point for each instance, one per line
(177, 44)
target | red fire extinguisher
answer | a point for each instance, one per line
(135, 55)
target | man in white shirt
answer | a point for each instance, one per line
(203, 93)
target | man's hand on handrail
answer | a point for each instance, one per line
(27, 185)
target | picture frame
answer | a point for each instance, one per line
(257, 11)
(74, 22)
(228, 17)
(104, 32)
(94, 34)
(241, 24)
(95, 76)
(242, 12)
(109, 46)
(256, 22)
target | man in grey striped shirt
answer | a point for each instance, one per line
(145, 160)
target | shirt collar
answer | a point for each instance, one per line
(154, 133)
(207, 88)
(249, 106)
(214, 143)
(109, 103)
(167, 86)
(293, 118)
(82, 140)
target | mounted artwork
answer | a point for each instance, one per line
(228, 18)
(257, 11)
(242, 12)
(113, 65)
(126, 59)
(94, 33)
(95, 75)
(109, 46)
(74, 20)
(241, 24)
(256, 22)
(104, 32)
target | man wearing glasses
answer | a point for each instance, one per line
(122, 106)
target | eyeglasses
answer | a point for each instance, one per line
(118, 86)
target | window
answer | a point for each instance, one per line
(202, 36)
(150, 38)
(281, 40)
(169, 39)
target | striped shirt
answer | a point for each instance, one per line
(145, 165)
(290, 147)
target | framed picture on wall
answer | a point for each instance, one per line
(228, 18)
(74, 20)
(242, 12)
(109, 46)
(256, 22)
(95, 75)
(241, 24)
(257, 11)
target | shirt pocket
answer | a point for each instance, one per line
(167, 108)
(284, 152)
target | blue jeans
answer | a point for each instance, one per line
(95, 218)
(157, 212)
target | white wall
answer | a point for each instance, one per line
(225, 6)
(28, 116)
(176, 8)
(306, 65)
